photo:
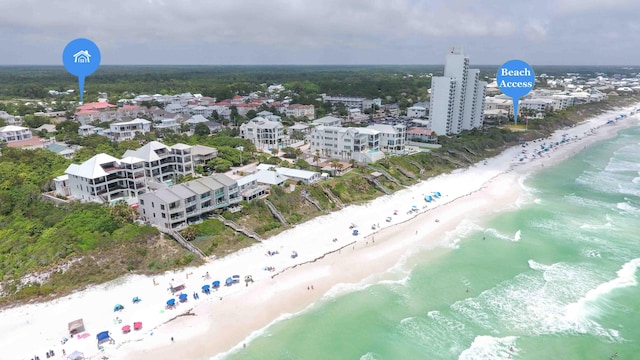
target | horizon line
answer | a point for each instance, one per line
(247, 65)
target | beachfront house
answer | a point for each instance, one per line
(263, 133)
(106, 179)
(162, 163)
(361, 144)
(178, 206)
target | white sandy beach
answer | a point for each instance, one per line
(228, 317)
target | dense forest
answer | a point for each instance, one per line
(391, 83)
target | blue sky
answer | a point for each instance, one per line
(556, 32)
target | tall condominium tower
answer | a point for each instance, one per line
(457, 98)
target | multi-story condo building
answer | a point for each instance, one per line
(352, 102)
(178, 206)
(162, 163)
(361, 144)
(263, 133)
(104, 178)
(127, 130)
(416, 111)
(11, 133)
(299, 110)
(393, 138)
(457, 98)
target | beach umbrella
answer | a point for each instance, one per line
(183, 297)
(118, 307)
(126, 329)
(171, 302)
(236, 278)
(428, 198)
(205, 288)
(135, 300)
(216, 284)
(229, 281)
(137, 325)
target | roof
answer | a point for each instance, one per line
(269, 177)
(134, 121)
(166, 195)
(147, 152)
(195, 119)
(12, 128)
(131, 160)
(202, 150)
(210, 183)
(182, 191)
(387, 129)
(197, 187)
(223, 179)
(327, 120)
(246, 180)
(91, 168)
(296, 173)
(419, 131)
(299, 127)
(181, 146)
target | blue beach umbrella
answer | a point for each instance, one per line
(216, 284)
(205, 288)
(229, 281)
(171, 302)
(183, 297)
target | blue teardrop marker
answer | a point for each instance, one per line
(81, 57)
(515, 78)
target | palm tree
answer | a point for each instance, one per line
(316, 157)
(298, 152)
(334, 164)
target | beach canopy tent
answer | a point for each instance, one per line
(216, 284)
(76, 326)
(171, 302)
(76, 355)
(183, 297)
(118, 307)
(103, 336)
(229, 281)
(137, 325)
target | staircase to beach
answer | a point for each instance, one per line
(385, 174)
(276, 213)
(377, 183)
(182, 241)
(237, 228)
(415, 163)
(332, 197)
(307, 196)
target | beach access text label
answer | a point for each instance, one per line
(515, 78)
(81, 57)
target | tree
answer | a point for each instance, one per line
(251, 114)
(275, 151)
(316, 157)
(215, 116)
(123, 213)
(190, 233)
(201, 129)
(298, 152)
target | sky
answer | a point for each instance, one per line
(265, 32)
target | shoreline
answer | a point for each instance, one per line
(234, 315)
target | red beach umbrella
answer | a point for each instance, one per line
(126, 329)
(137, 325)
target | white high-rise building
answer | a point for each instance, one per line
(457, 98)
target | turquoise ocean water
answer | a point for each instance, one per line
(555, 278)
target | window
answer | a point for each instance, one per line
(162, 207)
(164, 216)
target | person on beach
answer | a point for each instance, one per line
(172, 339)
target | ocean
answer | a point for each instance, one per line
(553, 277)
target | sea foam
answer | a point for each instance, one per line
(490, 348)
